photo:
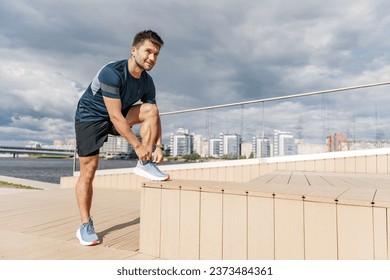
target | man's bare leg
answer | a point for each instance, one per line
(84, 189)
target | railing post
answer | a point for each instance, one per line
(74, 161)
(262, 134)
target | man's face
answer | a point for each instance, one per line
(145, 55)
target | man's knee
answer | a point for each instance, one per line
(88, 169)
(150, 110)
(87, 175)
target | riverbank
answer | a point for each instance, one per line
(7, 185)
(26, 185)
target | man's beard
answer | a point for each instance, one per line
(139, 65)
(142, 67)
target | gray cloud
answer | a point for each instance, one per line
(216, 52)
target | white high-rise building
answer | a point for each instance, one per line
(261, 148)
(182, 142)
(284, 143)
(246, 149)
(230, 145)
(198, 143)
(214, 150)
(205, 147)
(201, 145)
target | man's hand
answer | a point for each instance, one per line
(158, 155)
(143, 153)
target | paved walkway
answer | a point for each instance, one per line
(41, 225)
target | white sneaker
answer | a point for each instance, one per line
(150, 171)
(86, 234)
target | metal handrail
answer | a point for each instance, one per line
(263, 100)
(273, 98)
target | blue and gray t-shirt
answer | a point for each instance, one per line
(114, 81)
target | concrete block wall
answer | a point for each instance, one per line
(205, 220)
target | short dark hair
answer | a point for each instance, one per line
(148, 35)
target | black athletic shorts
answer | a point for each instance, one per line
(90, 136)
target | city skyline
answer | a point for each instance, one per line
(215, 135)
(282, 143)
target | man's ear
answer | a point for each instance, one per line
(133, 50)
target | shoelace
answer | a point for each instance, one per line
(90, 228)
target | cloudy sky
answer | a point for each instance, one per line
(215, 52)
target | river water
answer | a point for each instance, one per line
(49, 170)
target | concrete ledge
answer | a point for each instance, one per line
(375, 161)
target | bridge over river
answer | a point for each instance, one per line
(40, 151)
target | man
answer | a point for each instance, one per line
(108, 107)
